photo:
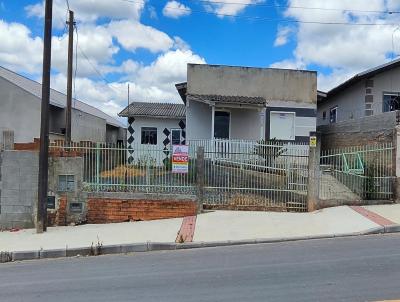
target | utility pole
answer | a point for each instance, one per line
(41, 218)
(68, 113)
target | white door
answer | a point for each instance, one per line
(282, 125)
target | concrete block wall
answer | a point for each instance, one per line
(357, 132)
(18, 186)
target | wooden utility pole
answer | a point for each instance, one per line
(41, 218)
(68, 113)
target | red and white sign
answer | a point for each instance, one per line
(180, 159)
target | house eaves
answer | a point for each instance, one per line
(363, 76)
(57, 98)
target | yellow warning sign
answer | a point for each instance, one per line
(313, 141)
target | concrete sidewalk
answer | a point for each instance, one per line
(210, 227)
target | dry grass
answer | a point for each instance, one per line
(122, 171)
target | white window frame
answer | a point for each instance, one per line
(180, 135)
(336, 113)
(141, 135)
(294, 124)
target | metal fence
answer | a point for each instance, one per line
(238, 174)
(106, 168)
(357, 173)
(255, 174)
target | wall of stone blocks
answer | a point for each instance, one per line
(358, 132)
(18, 188)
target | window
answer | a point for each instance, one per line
(222, 122)
(282, 125)
(66, 183)
(391, 102)
(176, 136)
(333, 115)
(51, 202)
(324, 115)
(75, 207)
(149, 136)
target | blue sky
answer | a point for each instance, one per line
(148, 43)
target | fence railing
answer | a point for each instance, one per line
(355, 173)
(106, 168)
(237, 173)
(258, 174)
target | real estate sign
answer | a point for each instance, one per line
(180, 159)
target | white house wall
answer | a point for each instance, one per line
(247, 124)
(163, 141)
(198, 117)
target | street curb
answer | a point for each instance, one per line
(163, 246)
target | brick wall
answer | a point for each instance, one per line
(58, 216)
(120, 210)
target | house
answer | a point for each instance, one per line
(245, 103)
(155, 125)
(20, 111)
(366, 94)
(225, 102)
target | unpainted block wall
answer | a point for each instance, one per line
(358, 132)
(18, 188)
(62, 215)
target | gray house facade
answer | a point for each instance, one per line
(245, 103)
(372, 92)
(20, 101)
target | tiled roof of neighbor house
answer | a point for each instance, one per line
(364, 75)
(56, 98)
(229, 99)
(169, 110)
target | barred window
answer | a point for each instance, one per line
(149, 136)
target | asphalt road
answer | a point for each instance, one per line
(348, 269)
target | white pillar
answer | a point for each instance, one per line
(212, 121)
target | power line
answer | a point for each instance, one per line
(271, 19)
(109, 85)
(299, 7)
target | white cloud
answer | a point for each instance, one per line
(282, 36)
(289, 64)
(229, 7)
(175, 9)
(345, 49)
(153, 82)
(132, 35)
(87, 11)
(103, 31)
(95, 42)
(19, 50)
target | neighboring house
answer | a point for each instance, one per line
(158, 125)
(246, 103)
(371, 92)
(20, 107)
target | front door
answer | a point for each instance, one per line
(222, 122)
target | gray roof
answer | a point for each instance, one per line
(363, 75)
(56, 98)
(152, 109)
(228, 99)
